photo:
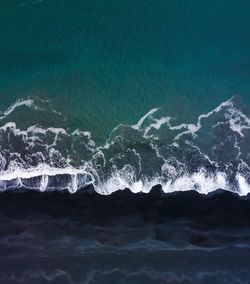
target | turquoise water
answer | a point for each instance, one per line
(102, 63)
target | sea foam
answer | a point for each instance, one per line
(211, 154)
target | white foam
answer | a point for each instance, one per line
(190, 128)
(22, 178)
(156, 125)
(244, 187)
(18, 103)
(228, 103)
(202, 181)
(194, 128)
(238, 121)
(141, 121)
(44, 183)
(129, 176)
(41, 170)
(74, 187)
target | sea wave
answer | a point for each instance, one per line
(211, 154)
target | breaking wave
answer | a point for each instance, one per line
(211, 154)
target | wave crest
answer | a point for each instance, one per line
(204, 156)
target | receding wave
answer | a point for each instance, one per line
(211, 154)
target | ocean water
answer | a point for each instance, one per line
(100, 102)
